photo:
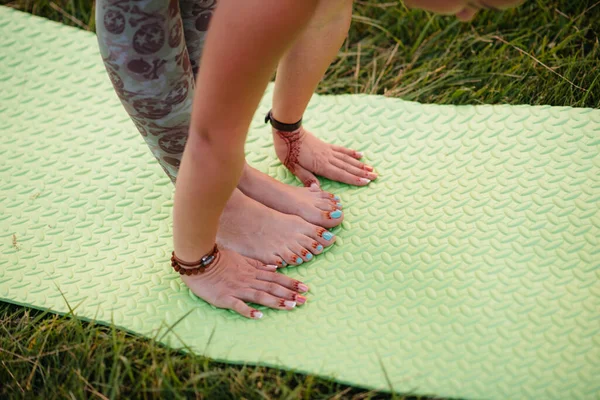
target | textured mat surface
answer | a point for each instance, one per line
(469, 269)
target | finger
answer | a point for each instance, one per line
(353, 170)
(243, 309)
(337, 174)
(260, 265)
(306, 177)
(278, 291)
(352, 161)
(282, 280)
(266, 299)
(350, 152)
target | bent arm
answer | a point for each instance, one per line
(245, 41)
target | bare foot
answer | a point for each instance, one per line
(232, 280)
(310, 203)
(305, 155)
(259, 232)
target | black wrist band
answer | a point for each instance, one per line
(280, 126)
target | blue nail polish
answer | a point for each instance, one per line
(309, 256)
(319, 248)
(283, 264)
(327, 235)
(298, 261)
(336, 198)
(336, 214)
(339, 205)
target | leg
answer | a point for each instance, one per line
(313, 206)
(298, 74)
(303, 66)
(147, 61)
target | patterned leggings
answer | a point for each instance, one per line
(148, 61)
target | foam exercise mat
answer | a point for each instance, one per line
(470, 268)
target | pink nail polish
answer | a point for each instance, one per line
(368, 168)
(364, 180)
(271, 267)
(300, 299)
(302, 288)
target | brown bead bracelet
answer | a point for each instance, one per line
(204, 263)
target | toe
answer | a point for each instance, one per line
(326, 205)
(321, 235)
(290, 257)
(327, 195)
(311, 244)
(304, 254)
(335, 216)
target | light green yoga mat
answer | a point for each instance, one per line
(470, 268)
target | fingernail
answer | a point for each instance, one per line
(300, 299)
(256, 314)
(302, 288)
(314, 185)
(309, 256)
(319, 248)
(327, 235)
(369, 168)
(336, 214)
(289, 304)
(364, 180)
(360, 153)
(336, 198)
(271, 267)
(339, 205)
(283, 264)
(298, 261)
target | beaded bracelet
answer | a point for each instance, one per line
(204, 263)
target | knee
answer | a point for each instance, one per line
(331, 12)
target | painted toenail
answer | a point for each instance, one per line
(298, 260)
(309, 256)
(359, 153)
(300, 299)
(319, 248)
(327, 235)
(336, 198)
(339, 205)
(256, 314)
(336, 214)
(283, 264)
(301, 287)
(289, 304)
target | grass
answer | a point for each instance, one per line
(546, 52)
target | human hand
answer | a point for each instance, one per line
(231, 280)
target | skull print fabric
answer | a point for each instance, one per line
(151, 50)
